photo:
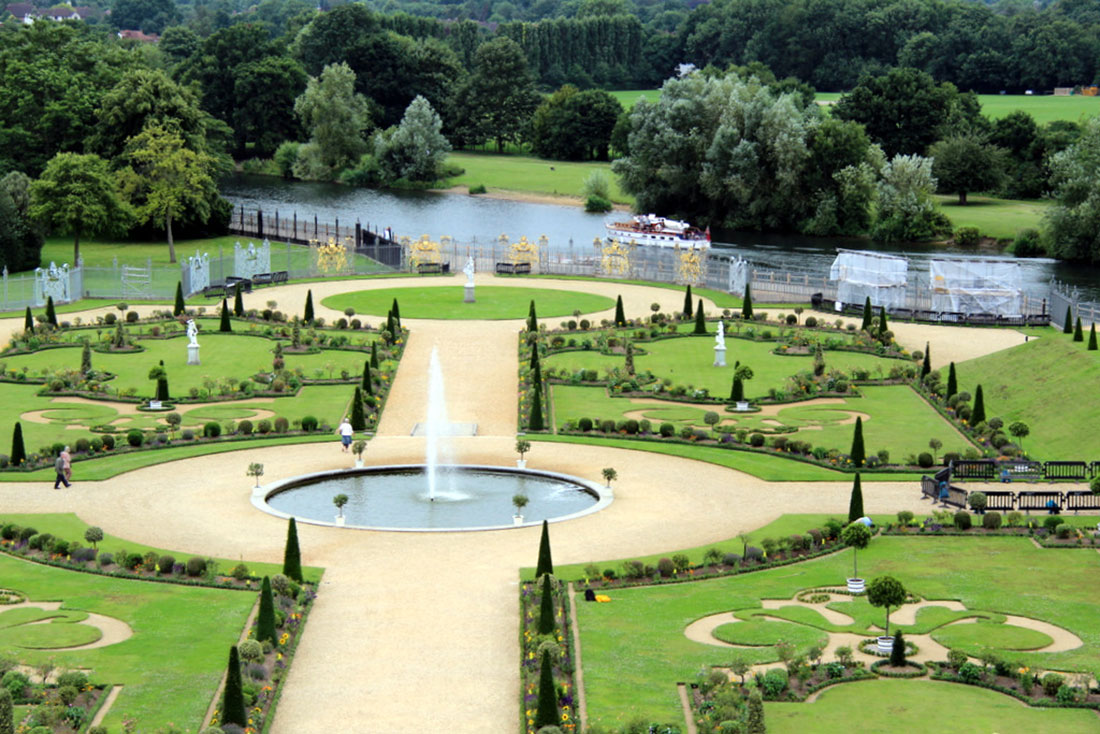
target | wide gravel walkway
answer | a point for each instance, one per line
(417, 632)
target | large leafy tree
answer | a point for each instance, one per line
(416, 148)
(52, 76)
(78, 195)
(965, 163)
(497, 100)
(264, 113)
(149, 16)
(906, 208)
(1073, 224)
(166, 179)
(842, 173)
(575, 125)
(337, 118)
(20, 240)
(902, 110)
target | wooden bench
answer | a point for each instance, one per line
(1075, 470)
(216, 290)
(513, 268)
(279, 276)
(1078, 501)
(1002, 501)
(424, 268)
(1028, 501)
(976, 469)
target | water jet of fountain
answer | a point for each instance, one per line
(437, 425)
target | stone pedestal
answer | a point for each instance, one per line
(468, 296)
(719, 356)
(339, 521)
(193, 354)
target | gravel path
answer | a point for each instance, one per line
(411, 630)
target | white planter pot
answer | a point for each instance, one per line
(517, 519)
(855, 586)
(521, 463)
(742, 405)
(885, 644)
(340, 520)
(358, 463)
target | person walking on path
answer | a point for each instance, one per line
(59, 467)
(68, 463)
(345, 434)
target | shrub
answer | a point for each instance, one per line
(924, 460)
(211, 429)
(240, 572)
(665, 567)
(585, 424)
(73, 678)
(977, 501)
(1051, 683)
(666, 430)
(196, 566)
(309, 423)
(962, 520)
(245, 427)
(1051, 522)
(15, 682)
(83, 555)
(281, 424)
(135, 437)
(756, 439)
(597, 204)
(105, 559)
(1028, 244)
(774, 682)
(1014, 519)
(251, 651)
(132, 317)
(1064, 531)
(263, 427)
(967, 236)
(752, 553)
(956, 658)
(971, 673)
(991, 520)
(731, 559)
(165, 563)
(187, 434)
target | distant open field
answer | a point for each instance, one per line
(530, 175)
(999, 218)
(1044, 108)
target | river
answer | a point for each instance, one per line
(569, 229)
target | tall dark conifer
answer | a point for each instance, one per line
(866, 325)
(547, 623)
(977, 414)
(700, 319)
(858, 453)
(51, 313)
(1067, 323)
(28, 321)
(396, 313)
(926, 368)
(225, 326)
(307, 314)
(746, 303)
(536, 422)
(18, 450)
(688, 312)
(292, 555)
(238, 302)
(368, 381)
(620, 316)
(265, 618)
(1078, 334)
(180, 306)
(358, 419)
(855, 502)
(545, 563)
(1092, 339)
(882, 327)
(233, 699)
(547, 713)
(532, 318)
(952, 381)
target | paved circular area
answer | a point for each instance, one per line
(411, 630)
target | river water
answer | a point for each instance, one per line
(469, 219)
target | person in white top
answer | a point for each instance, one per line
(345, 434)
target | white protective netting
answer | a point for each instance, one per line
(738, 275)
(977, 286)
(861, 274)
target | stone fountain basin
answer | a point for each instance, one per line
(395, 498)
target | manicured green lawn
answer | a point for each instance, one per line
(629, 97)
(70, 527)
(689, 362)
(985, 635)
(1043, 107)
(895, 418)
(1049, 383)
(999, 218)
(721, 299)
(171, 666)
(491, 302)
(635, 648)
(892, 706)
(531, 175)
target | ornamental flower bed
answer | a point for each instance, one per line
(63, 707)
(559, 642)
(29, 544)
(1031, 685)
(264, 665)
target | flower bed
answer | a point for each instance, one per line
(560, 644)
(264, 666)
(1050, 690)
(64, 707)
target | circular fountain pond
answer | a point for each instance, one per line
(465, 497)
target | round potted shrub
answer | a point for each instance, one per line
(520, 501)
(358, 448)
(856, 536)
(340, 500)
(522, 447)
(887, 592)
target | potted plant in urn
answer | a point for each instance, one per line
(856, 536)
(340, 500)
(256, 470)
(520, 501)
(886, 591)
(522, 447)
(358, 448)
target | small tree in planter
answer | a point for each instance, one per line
(256, 470)
(340, 500)
(856, 536)
(609, 476)
(978, 502)
(358, 448)
(520, 501)
(886, 592)
(522, 447)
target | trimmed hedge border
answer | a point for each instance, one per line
(938, 674)
(919, 669)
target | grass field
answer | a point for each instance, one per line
(890, 706)
(171, 666)
(998, 218)
(530, 175)
(491, 302)
(635, 648)
(1049, 383)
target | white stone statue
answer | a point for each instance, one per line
(720, 337)
(193, 332)
(469, 270)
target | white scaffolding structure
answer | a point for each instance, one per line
(861, 274)
(977, 286)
